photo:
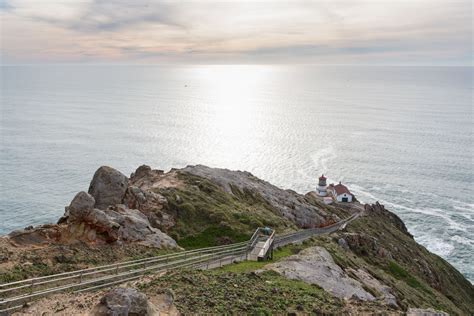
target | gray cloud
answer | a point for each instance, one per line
(300, 31)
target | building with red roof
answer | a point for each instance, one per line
(340, 192)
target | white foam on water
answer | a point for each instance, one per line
(439, 213)
(463, 240)
(445, 247)
(433, 212)
(437, 246)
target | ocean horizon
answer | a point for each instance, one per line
(398, 135)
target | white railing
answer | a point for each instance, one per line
(266, 247)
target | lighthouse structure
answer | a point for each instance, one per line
(321, 189)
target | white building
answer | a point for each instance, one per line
(321, 189)
(340, 192)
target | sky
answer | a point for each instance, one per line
(360, 32)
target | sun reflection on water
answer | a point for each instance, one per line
(233, 112)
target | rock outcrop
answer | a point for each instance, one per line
(363, 244)
(315, 266)
(386, 293)
(117, 224)
(108, 187)
(288, 203)
(125, 302)
(379, 209)
(99, 217)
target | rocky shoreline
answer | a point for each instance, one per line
(373, 265)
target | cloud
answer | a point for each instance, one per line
(418, 31)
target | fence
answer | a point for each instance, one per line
(14, 294)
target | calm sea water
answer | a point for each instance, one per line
(400, 135)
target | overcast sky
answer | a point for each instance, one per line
(391, 32)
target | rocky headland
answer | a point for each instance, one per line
(371, 266)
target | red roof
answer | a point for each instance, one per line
(322, 177)
(341, 189)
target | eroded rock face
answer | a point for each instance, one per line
(43, 234)
(315, 266)
(118, 224)
(124, 302)
(108, 187)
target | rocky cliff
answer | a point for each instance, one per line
(372, 266)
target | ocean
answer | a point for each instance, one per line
(399, 135)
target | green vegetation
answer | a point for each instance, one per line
(222, 292)
(418, 278)
(212, 235)
(35, 263)
(400, 273)
(24, 272)
(206, 215)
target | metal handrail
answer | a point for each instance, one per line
(121, 264)
(137, 273)
(111, 274)
(107, 273)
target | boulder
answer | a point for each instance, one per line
(124, 302)
(343, 243)
(315, 266)
(80, 206)
(141, 172)
(108, 187)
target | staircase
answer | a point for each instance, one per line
(263, 248)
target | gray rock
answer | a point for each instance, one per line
(315, 266)
(124, 302)
(80, 205)
(343, 243)
(108, 187)
(134, 197)
(119, 224)
(385, 291)
(141, 172)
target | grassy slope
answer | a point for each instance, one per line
(237, 289)
(419, 277)
(207, 216)
(56, 259)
